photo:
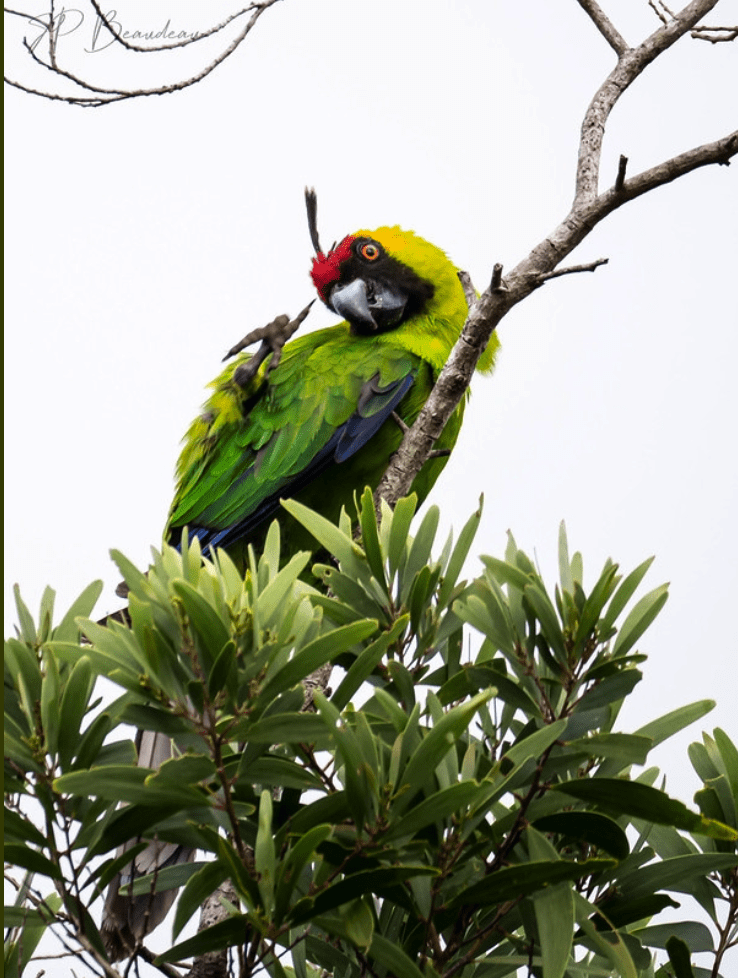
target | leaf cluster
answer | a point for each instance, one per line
(460, 803)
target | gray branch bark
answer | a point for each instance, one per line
(588, 209)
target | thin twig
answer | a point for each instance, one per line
(573, 269)
(105, 96)
(715, 35)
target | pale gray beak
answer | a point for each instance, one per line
(370, 307)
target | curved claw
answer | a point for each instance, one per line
(273, 337)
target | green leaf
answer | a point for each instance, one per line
(624, 593)
(536, 743)
(227, 933)
(154, 718)
(205, 620)
(639, 619)
(20, 916)
(223, 675)
(565, 575)
(546, 614)
(18, 828)
(642, 801)
(134, 578)
(554, 910)
(515, 881)
(290, 868)
(611, 689)
(50, 703)
(316, 654)
(370, 538)
(272, 598)
(671, 723)
(32, 860)
(183, 770)
(354, 774)
(592, 609)
(679, 957)
(356, 885)
(611, 946)
(400, 530)
(626, 748)
(282, 728)
(438, 807)
(438, 741)
(74, 703)
(329, 536)
(127, 783)
(393, 958)
(197, 889)
(695, 935)
(358, 920)
(278, 772)
(25, 618)
(420, 549)
(365, 662)
(471, 678)
(679, 873)
(67, 630)
(264, 854)
(459, 555)
(33, 932)
(729, 756)
(592, 827)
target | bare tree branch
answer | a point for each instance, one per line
(613, 37)
(588, 209)
(630, 65)
(104, 96)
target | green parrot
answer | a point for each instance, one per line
(317, 423)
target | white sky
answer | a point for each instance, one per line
(144, 238)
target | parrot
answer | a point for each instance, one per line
(317, 423)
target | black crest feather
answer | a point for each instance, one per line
(311, 202)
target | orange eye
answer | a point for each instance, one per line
(369, 251)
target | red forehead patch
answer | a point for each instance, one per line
(327, 268)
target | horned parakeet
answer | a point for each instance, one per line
(314, 422)
(319, 426)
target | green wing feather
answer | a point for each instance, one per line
(250, 445)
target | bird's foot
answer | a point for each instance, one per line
(273, 337)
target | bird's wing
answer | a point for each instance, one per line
(329, 395)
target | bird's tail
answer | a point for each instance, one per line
(127, 919)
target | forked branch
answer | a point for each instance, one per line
(588, 209)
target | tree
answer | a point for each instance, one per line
(476, 814)
(591, 206)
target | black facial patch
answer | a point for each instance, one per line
(389, 271)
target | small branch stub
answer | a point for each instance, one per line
(620, 178)
(496, 285)
(470, 293)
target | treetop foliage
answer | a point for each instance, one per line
(460, 803)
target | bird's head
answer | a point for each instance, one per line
(363, 279)
(379, 279)
(394, 285)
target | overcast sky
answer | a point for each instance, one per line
(144, 238)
